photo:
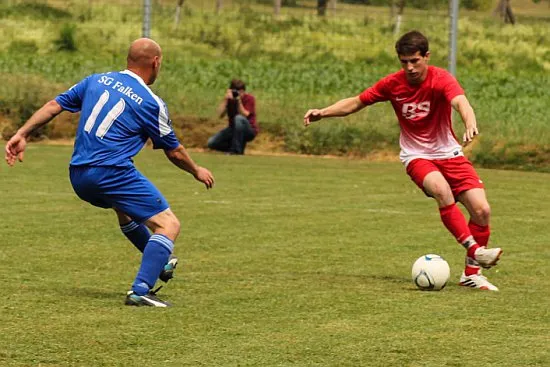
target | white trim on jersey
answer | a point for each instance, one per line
(164, 126)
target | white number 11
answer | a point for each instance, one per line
(108, 119)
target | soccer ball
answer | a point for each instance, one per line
(430, 272)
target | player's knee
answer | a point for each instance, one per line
(173, 225)
(482, 213)
(165, 223)
(240, 122)
(442, 194)
(210, 142)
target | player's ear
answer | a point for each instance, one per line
(156, 62)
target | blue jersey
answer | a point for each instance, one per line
(118, 114)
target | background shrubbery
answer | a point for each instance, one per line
(292, 63)
(429, 4)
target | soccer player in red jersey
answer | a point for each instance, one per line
(422, 97)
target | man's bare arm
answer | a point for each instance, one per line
(180, 158)
(343, 107)
(15, 147)
(462, 105)
(40, 118)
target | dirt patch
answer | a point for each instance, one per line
(6, 128)
(195, 131)
(63, 126)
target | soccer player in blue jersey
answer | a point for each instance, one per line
(119, 113)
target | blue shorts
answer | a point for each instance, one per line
(123, 188)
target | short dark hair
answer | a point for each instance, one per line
(237, 84)
(412, 42)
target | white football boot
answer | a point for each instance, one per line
(477, 281)
(487, 257)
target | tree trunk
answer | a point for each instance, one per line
(321, 7)
(509, 18)
(400, 9)
(276, 7)
(178, 12)
(504, 11)
(219, 5)
(332, 4)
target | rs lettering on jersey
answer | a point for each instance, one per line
(413, 110)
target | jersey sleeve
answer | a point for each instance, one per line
(158, 126)
(71, 100)
(377, 93)
(449, 86)
(250, 105)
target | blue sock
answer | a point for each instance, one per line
(154, 258)
(138, 234)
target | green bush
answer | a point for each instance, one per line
(477, 4)
(34, 9)
(419, 4)
(298, 62)
(22, 95)
(23, 46)
(287, 3)
(66, 40)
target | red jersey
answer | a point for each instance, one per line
(423, 111)
(249, 103)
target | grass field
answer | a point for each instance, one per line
(289, 261)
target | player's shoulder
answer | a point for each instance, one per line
(394, 79)
(441, 78)
(438, 72)
(105, 78)
(151, 99)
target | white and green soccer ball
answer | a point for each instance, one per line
(430, 272)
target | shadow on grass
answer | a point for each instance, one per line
(95, 293)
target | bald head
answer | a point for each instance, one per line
(144, 58)
(142, 52)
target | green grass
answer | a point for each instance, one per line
(289, 261)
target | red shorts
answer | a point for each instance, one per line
(459, 173)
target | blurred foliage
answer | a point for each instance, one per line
(23, 46)
(292, 63)
(288, 3)
(66, 40)
(22, 95)
(477, 4)
(33, 9)
(428, 4)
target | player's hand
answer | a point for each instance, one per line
(469, 135)
(312, 116)
(205, 176)
(229, 95)
(15, 149)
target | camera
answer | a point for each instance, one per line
(235, 93)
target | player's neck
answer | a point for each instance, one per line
(145, 75)
(422, 79)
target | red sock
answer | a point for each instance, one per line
(481, 233)
(454, 220)
(471, 267)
